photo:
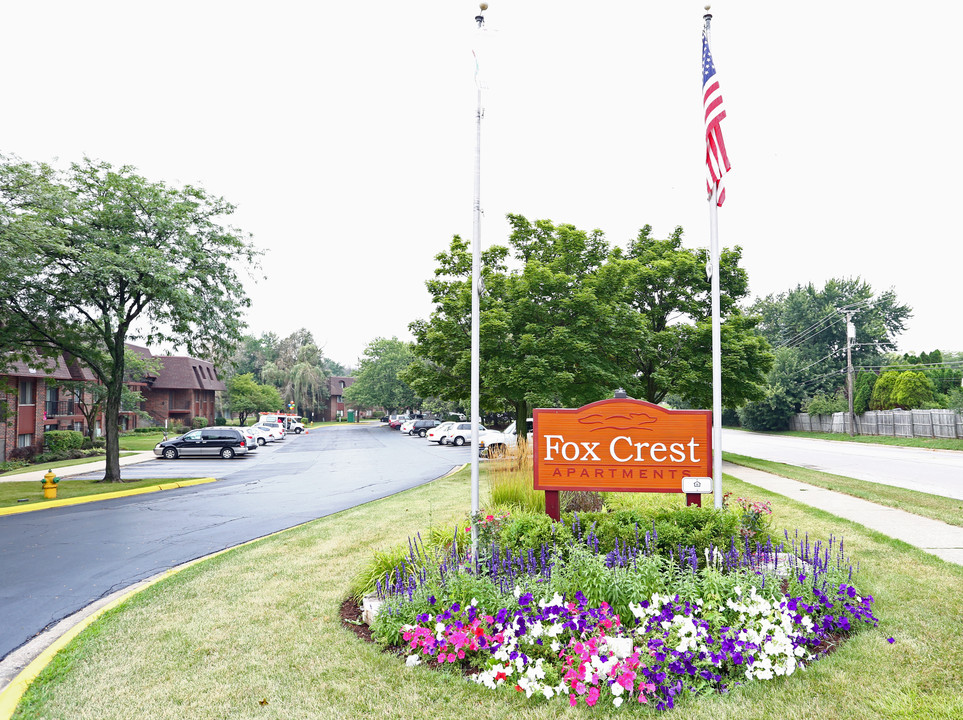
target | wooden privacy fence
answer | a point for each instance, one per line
(895, 423)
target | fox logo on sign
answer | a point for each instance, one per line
(621, 445)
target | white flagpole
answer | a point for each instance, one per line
(716, 334)
(716, 351)
(475, 308)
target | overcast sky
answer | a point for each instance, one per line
(345, 134)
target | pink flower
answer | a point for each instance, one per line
(627, 680)
(593, 696)
(572, 700)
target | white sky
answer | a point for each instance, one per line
(345, 134)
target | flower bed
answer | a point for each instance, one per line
(578, 621)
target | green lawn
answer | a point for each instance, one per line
(58, 464)
(142, 441)
(20, 494)
(948, 510)
(256, 633)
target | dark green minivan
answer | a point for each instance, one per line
(225, 442)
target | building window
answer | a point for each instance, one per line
(26, 392)
(25, 440)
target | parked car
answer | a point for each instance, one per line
(438, 433)
(493, 443)
(259, 433)
(251, 437)
(273, 433)
(407, 425)
(421, 427)
(461, 433)
(397, 420)
(225, 442)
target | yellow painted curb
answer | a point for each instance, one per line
(16, 510)
(10, 695)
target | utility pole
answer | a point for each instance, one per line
(850, 337)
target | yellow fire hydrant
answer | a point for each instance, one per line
(50, 485)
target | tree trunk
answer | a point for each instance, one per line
(111, 426)
(521, 419)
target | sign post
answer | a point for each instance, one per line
(622, 445)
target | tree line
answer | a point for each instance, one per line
(566, 318)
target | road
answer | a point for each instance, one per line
(938, 472)
(57, 561)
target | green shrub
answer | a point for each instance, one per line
(87, 444)
(100, 442)
(9, 465)
(524, 531)
(199, 422)
(56, 440)
(220, 421)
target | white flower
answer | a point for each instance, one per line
(412, 660)
(618, 701)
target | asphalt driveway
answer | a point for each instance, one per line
(54, 562)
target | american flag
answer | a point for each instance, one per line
(717, 161)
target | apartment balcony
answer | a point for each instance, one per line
(56, 408)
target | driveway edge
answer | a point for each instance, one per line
(16, 510)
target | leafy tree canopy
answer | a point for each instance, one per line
(94, 257)
(378, 382)
(814, 322)
(565, 320)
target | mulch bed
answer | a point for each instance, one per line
(351, 620)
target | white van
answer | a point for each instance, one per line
(290, 422)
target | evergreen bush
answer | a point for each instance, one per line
(57, 440)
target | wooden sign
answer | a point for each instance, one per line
(622, 445)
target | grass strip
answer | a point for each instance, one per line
(935, 507)
(256, 633)
(925, 443)
(24, 496)
(59, 464)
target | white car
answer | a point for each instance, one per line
(460, 433)
(494, 443)
(406, 426)
(437, 434)
(259, 433)
(273, 433)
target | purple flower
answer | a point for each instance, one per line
(890, 640)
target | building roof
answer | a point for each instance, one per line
(179, 372)
(334, 383)
(186, 373)
(54, 368)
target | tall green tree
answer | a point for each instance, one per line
(782, 394)
(565, 320)
(813, 320)
(666, 285)
(547, 337)
(94, 257)
(378, 382)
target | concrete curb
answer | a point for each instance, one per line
(17, 509)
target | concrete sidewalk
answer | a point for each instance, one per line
(95, 466)
(944, 541)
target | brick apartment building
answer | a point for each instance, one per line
(183, 389)
(31, 403)
(335, 407)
